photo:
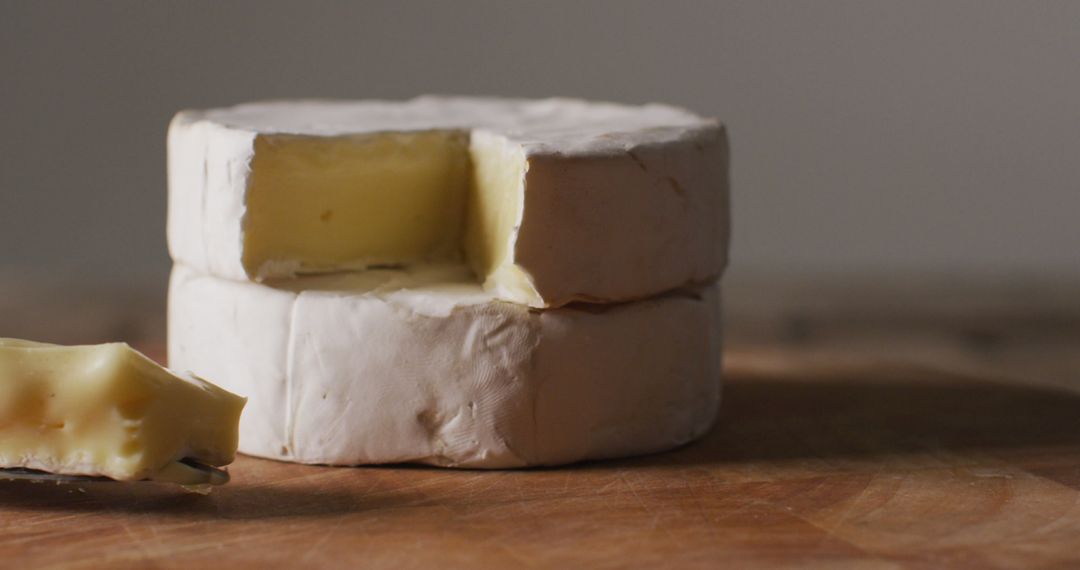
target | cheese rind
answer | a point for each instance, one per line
(418, 366)
(106, 410)
(580, 201)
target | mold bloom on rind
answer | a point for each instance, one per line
(107, 410)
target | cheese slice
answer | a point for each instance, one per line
(422, 366)
(547, 201)
(107, 410)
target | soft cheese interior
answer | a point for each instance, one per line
(325, 204)
(108, 410)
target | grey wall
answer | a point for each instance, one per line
(867, 136)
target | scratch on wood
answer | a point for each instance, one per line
(310, 552)
(675, 186)
(637, 159)
(641, 502)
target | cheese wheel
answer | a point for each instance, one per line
(421, 366)
(548, 201)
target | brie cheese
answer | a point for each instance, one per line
(547, 201)
(423, 366)
(107, 410)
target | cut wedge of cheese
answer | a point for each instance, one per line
(422, 366)
(107, 410)
(547, 201)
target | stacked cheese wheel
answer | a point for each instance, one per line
(466, 282)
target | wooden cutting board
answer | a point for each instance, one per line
(821, 458)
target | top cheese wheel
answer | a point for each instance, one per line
(547, 201)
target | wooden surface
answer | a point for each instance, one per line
(878, 436)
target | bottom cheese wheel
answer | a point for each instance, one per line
(396, 366)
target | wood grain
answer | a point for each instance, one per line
(910, 448)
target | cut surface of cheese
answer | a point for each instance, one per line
(547, 201)
(107, 410)
(318, 204)
(420, 365)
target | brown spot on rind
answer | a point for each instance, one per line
(428, 420)
(327, 215)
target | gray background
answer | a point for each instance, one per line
(927, 137)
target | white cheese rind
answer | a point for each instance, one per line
(353, 369)
(620, 202)
(208, 167)
(628, 225)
